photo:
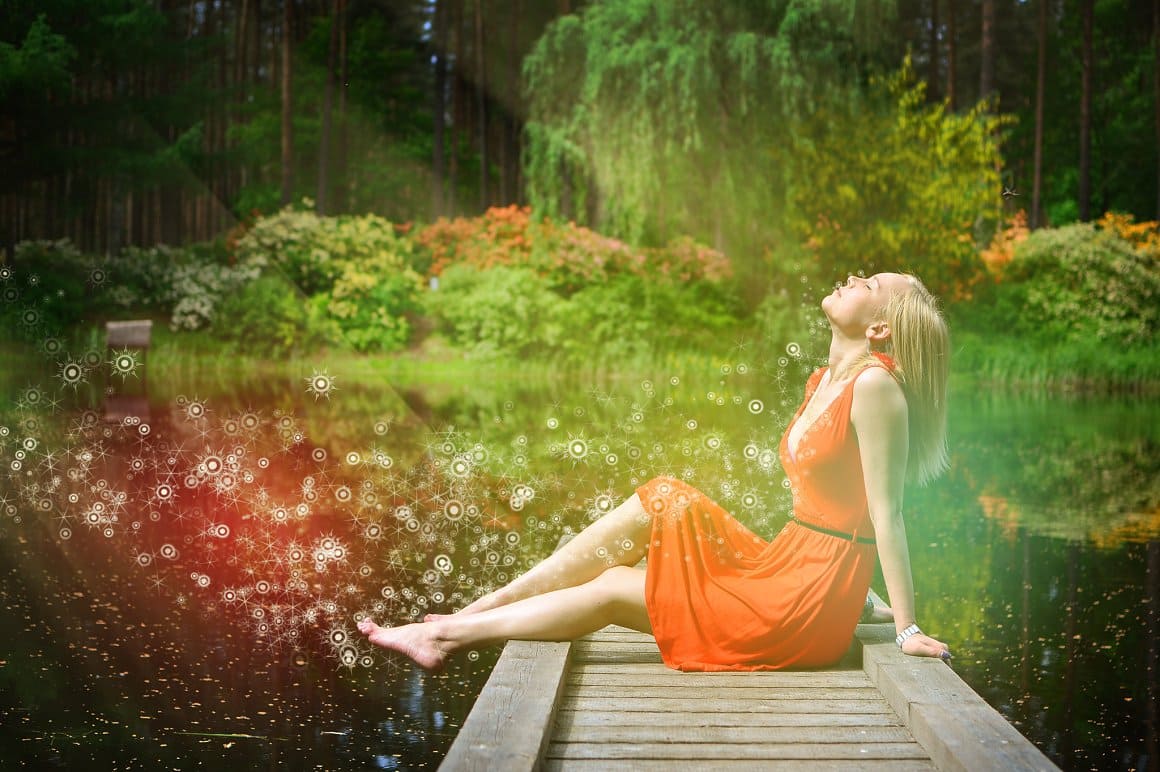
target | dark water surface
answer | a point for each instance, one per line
(179, 590)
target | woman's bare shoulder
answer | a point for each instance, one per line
(876, 387)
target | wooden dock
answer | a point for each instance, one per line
(606, 702)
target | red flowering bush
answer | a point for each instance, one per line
(567, 256)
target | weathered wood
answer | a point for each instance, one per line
(613, 676)
(950, 720)
(682, 751)
(610, 703)
(739, 693)
(779, 765)
(709, 704)
(134, 333)
(886, 717)
(508, 728)
(572, 733)
(970, 737)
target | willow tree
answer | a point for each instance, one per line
(652, 118)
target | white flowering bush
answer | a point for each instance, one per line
(199, 287)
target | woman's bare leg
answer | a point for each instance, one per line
(616, 596)
(618, 538)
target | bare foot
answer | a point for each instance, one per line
(417, 641)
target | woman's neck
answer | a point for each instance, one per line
(845, 352)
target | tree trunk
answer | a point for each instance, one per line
(481, 97)
(341, 203)
(439, 111)
(1040, 92)
(1156, 91)
(952, 57)
(457, 107)
(509, 192)
(932, 80)
(287, 114)
(987, 51)
(323, 197)
(1085, 113)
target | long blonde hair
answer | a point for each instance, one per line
(919, 345)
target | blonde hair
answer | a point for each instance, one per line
(919, 344)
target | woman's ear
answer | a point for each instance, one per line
(878, 332)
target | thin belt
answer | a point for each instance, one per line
(832, 532)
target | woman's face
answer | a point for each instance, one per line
(857, 304)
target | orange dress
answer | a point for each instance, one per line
(720, 597)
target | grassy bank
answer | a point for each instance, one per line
(1079, 366)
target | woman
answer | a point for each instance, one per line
(717, 597)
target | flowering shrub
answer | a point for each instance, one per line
(999, 254)
(361, 265)
(568, 257)
(1076, 283)
(67, 287)
(180, 282)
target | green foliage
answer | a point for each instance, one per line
(632, 315)
(50, 287)
(1076, 306)
(39, 65)
(267, 317)
(648, 119)
(360, 263)
(1073, 284)
(896, 184)
(500, 311)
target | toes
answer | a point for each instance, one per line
(367, 626)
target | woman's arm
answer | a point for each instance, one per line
(879, 416)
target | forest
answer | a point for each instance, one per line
(794, 139)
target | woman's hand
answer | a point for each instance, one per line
(922, 645)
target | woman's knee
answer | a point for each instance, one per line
(621, 590)
(620, 584)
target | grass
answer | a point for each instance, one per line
(977, 360)
(1089, 366)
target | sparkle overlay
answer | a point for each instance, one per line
(294, 533)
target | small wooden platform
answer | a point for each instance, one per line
(606, 702)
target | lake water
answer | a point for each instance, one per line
(180, 591)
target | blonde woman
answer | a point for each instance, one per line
(718, 597)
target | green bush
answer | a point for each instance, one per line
(50, 287)
(1073, 284)
(361, 264)
(372, 309)
(268, 317)
(499, 311)
(631, 314)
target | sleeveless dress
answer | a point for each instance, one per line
(720, 597)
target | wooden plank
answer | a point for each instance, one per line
(954, 724)
(739, 693)
(509, 726)
(885, 717)
(779, 765)
(681, 751)
(727, 735)
(710, 704)
(969, 737)
(583, 676)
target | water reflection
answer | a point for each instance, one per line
(182, 588)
